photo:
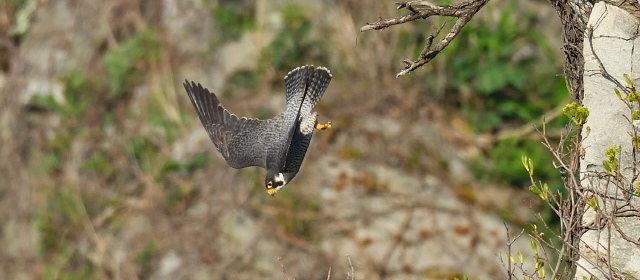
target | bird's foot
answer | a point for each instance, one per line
(323, 126)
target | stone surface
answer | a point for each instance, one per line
(615, 36)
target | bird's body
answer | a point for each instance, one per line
(278, 144)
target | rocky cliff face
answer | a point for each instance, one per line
(107, 173)
(615, 33)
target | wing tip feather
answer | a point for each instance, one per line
(322, 68)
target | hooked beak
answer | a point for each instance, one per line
(272, 191)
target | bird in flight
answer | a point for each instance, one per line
(278, 144)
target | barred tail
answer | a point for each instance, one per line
(305, 85)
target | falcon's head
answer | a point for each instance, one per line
(274, 183)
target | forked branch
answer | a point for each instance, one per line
(423, 10)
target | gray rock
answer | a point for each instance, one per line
(615, 36)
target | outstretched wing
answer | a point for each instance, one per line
(304, 86)
(241, 141)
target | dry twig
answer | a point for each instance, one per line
(423, 10)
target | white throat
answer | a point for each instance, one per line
(280, 178)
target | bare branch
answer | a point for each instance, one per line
(423, 10)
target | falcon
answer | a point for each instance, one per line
(278, 144)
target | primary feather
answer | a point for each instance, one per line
(239, 140)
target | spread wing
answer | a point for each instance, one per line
(241, 141)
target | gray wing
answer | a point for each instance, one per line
(297, 151)
(241, 141)
(304, 86)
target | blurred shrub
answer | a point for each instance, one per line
(294, 45)
(60, 213)
(144, 257)
(158, 118)
(502, 72)
(198, 160)
(505, 157)
(76, 98)
(144, 151)
(232, 19)
(245, 81)
(60, 223)
(19, 13)
(123, 62)
(302, 224)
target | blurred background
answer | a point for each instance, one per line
(106, 172)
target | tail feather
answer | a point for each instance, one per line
(305, 85)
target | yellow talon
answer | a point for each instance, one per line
(323, 126)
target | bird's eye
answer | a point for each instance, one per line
(269, 184)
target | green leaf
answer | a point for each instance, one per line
(576, 113)
(592, 202)
(635, 141)
(527, 163)
(619, 94)
(628, 80)
(611, 162)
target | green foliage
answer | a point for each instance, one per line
(507, 68)
(76, 98)
(77, 95)
(51, 161)
(143, 258)
(98, 162)
(538, 188)
(611, 162)
(243, 80)
(23, 12)
(198, 160)
(232, 19)
(55, 221)
(635, 141)
(123, 62)
(630, 84)
(592, 202)
(144, 152)
(541, 190)
(301, 224)
(60, 223)
(352, 153)
(630, 93)
(158, 118)
(176, 196)
(506, 157)
(294, 45)
(577, 113)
